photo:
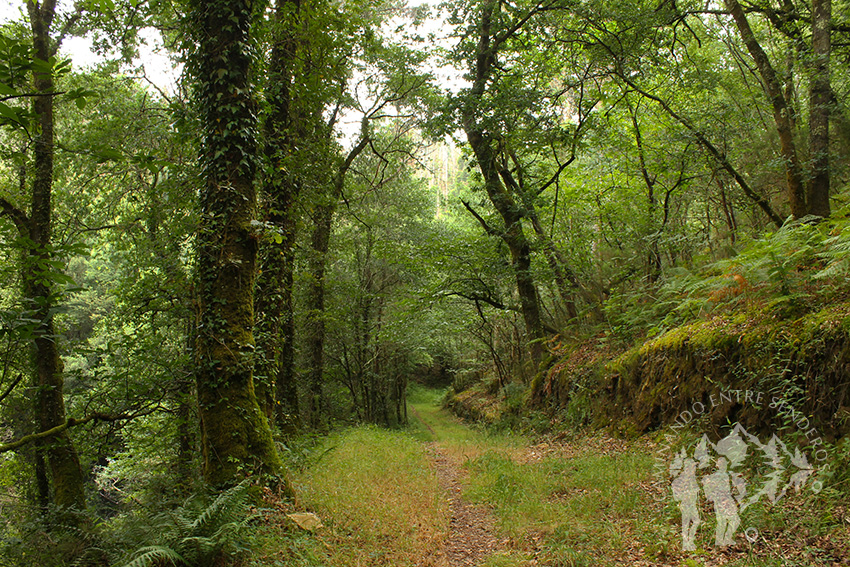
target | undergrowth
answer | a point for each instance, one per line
(200, 533)
(800, 267)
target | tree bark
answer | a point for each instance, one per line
(319, 244)
(62, 458)
(277, 391)
(481, 143)
(782, 113)
(514, 237)
(236, 437)
(820, 95)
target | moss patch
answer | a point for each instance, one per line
(804, 360)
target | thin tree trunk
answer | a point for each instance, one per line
(729, 212)
(276, 391)
(480, 142)
(653, 271)
(820, 101)
(287, 411)
(320, 244)
(781, 110)
(62, 459)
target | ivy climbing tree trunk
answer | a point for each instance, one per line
(236, 437)
(277, 392)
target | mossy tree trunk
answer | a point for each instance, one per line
(820, 101)
(55, 453)
(276, 387)
(236, 437)
(62, 459)
(486, 156)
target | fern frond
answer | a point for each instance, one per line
(155, 555)
(228, 507)
(195, 534)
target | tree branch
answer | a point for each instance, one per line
(31, 95)
(483, 298)
(487, 228)
(18, 216)
(719, 156)
(70, 422)
(11, 387)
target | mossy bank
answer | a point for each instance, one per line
(791, 372)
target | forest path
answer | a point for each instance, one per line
(442, 493)
(472, 532)
(472, 536)
(590, 499)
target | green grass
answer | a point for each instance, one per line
(431, 423)
(378, 498)
(576, 503)
(582, 510)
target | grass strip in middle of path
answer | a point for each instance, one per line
(454, 437)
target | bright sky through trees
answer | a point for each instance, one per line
(152, 60)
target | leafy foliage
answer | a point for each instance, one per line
(197, 534)
(630, 143)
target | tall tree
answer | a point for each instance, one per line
(392, 82)
(486, 118)
(61, 454)
(39, 273)
(236, 437)
(820, 103)
(782, 110)
(310, 63)
(319, 247)
(275, 325)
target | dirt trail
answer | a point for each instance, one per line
(472, 532)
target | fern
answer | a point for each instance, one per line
(194, 535)
(226, 509)
(836, 254)
(155, 555)
(791, 269)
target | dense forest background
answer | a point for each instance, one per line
(546, 204)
